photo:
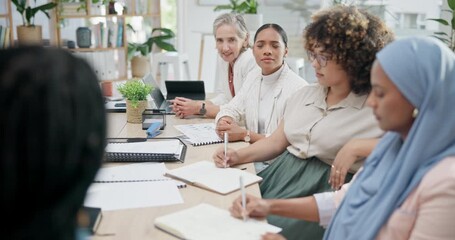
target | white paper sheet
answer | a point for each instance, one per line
(170, 146)
(127, 195)
(132, 172)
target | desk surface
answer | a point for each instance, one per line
(138, 223)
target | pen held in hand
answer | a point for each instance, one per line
(225, 148)
(242, 190)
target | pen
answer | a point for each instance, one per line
(225, 148)
(242, 190)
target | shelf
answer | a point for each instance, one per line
(107, 16)
(107, 60)
(4, 15)
(94, 49)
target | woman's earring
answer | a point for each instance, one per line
(415, 113)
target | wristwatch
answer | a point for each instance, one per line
(247, 137)
(203, 111)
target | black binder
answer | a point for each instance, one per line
(144, 157)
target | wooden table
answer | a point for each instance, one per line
(138, 223)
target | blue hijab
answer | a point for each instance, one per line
(423, 69)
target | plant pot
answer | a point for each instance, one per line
(134, 115)
(106, 88)
(140, 66)
(29, 35)
(253, 21)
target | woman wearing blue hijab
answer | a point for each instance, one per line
(406, 188)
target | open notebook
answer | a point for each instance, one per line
(206, 222)
(205, 174)
(200, 134)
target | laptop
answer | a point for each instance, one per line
(161, 105)
(192, 89)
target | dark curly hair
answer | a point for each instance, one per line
(351, 37)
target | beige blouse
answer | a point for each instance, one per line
(312, 129)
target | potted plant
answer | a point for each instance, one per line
(249, 10)
(139, 52)
(449, 39)
(135, 92)
(29, 33)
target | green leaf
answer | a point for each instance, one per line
(439, 20)
(165, 31)
(444, 40)
(451, 4)
(144, 49)
(20, 5)
(166, 46)
(441, 33)
(135, 90)
(222, 7)
(28, 15)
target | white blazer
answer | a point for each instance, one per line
(245, 105)
(242, 66)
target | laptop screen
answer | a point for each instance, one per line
(156, 93)
(189, 89)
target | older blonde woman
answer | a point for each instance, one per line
(235, 61)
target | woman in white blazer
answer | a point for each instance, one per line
(262, 100)
(234, 61)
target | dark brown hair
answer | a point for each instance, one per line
(53, 131)
(351, 37)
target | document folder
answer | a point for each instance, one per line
(145, 150)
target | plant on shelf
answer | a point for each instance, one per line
(161, 40)
(135, 92)
(448, 39)
(29, 33)
(237, 6)
(249, 10)
(138, 52)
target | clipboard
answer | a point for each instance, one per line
(145, 150)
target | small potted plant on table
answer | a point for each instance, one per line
(135, 92)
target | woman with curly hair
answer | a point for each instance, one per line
(404, 190)
(319, 119)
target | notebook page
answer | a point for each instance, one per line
(201, 133)
(171, 146)
(207, 175)
(132, 172)
(206, 222)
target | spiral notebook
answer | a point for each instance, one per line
(136, 172)
(145, 150)
(199, 134)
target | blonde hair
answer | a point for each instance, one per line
(235, 20)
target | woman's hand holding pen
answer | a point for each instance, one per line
(231, 159)
(255, 207)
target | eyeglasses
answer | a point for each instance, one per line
(322, 60)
